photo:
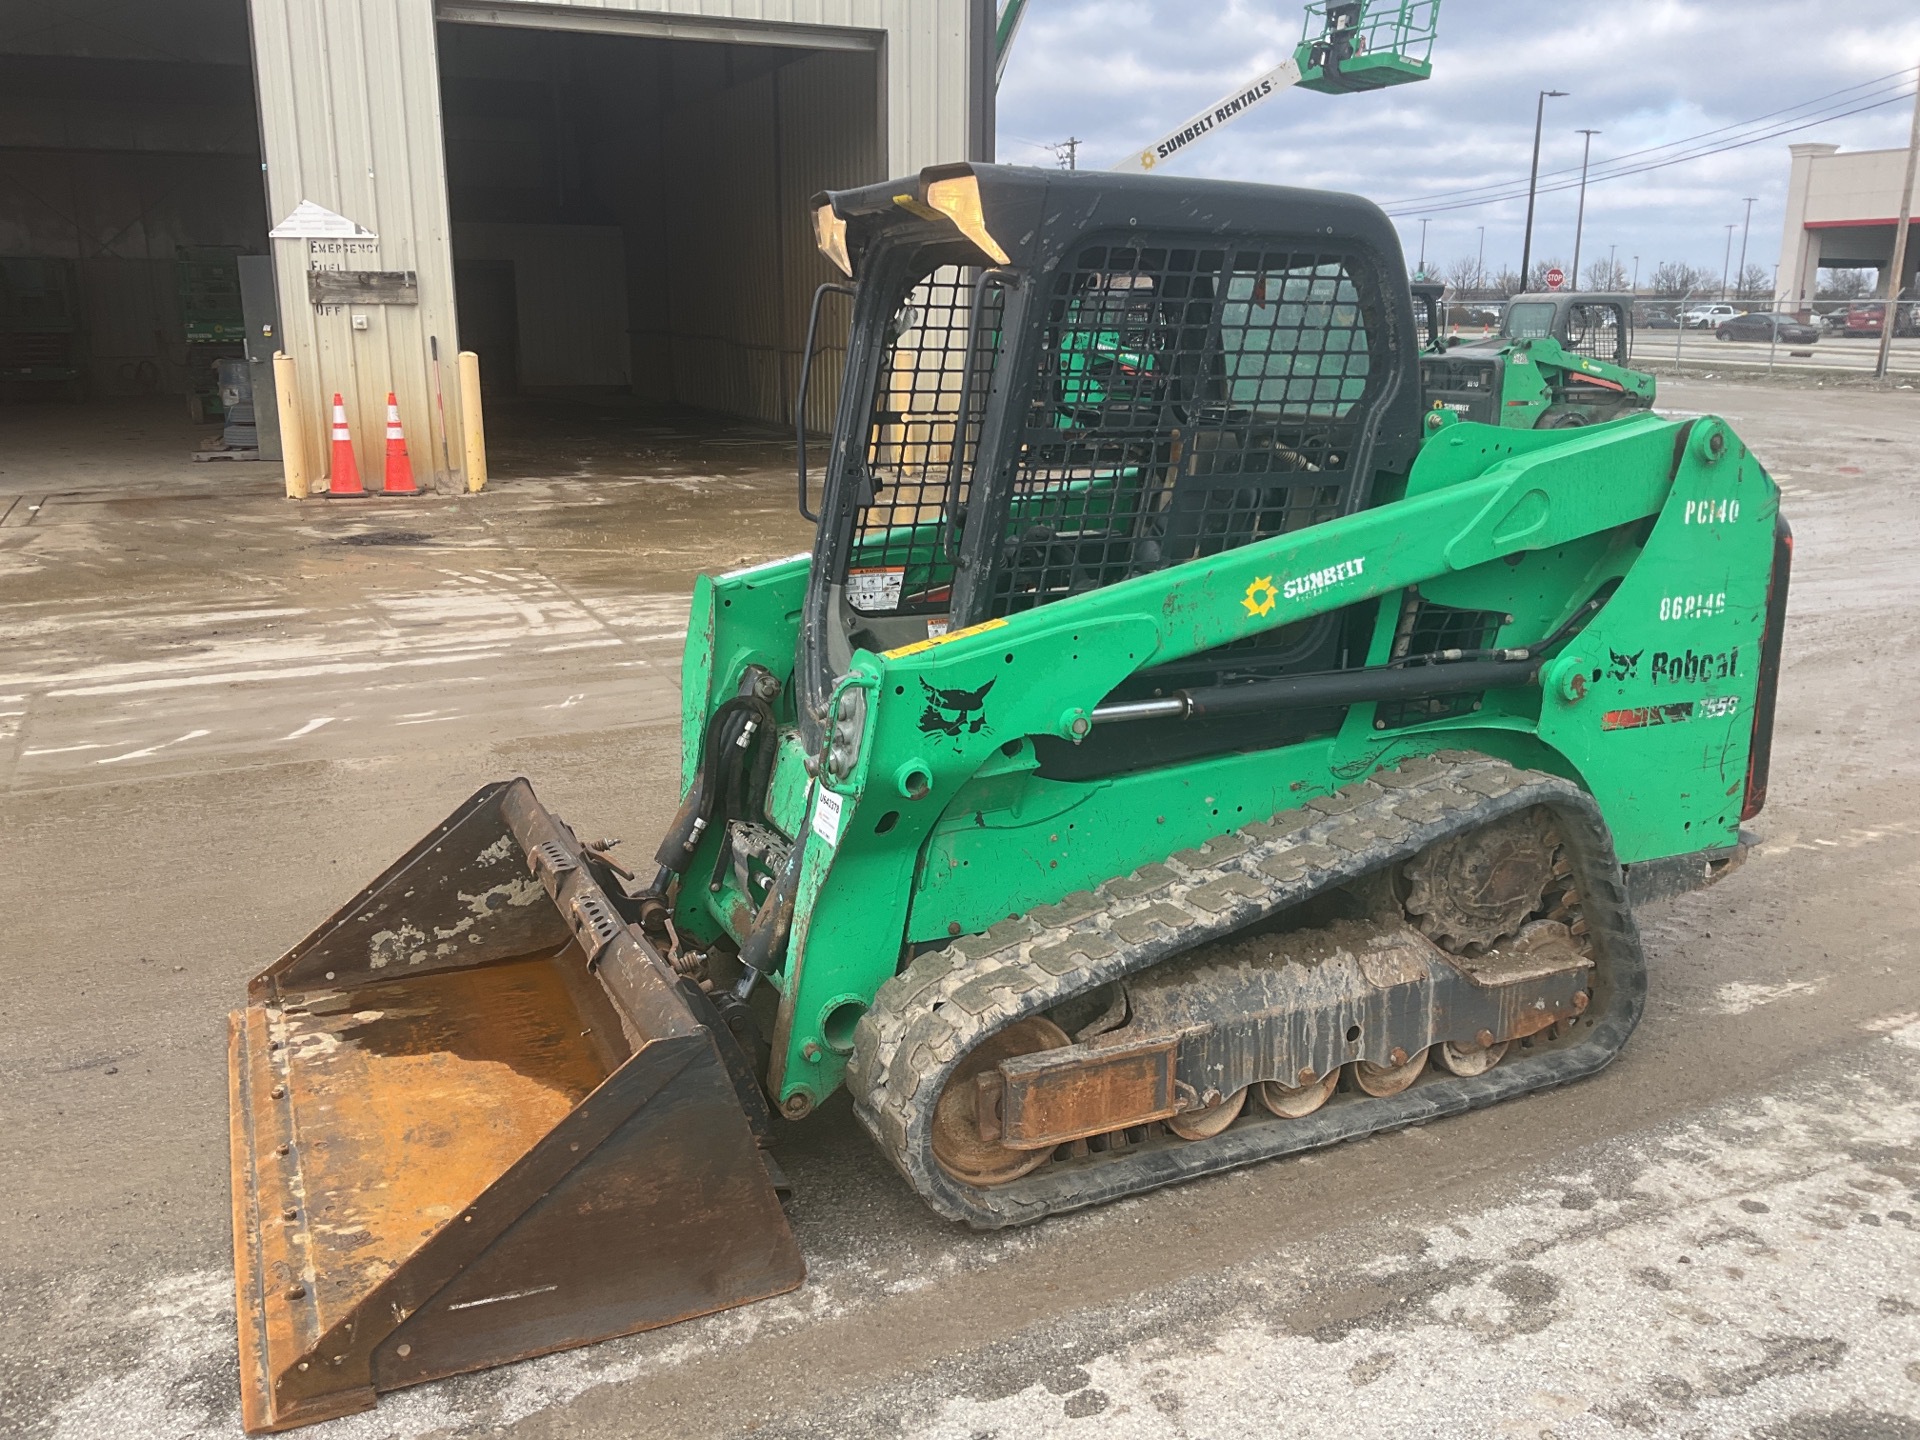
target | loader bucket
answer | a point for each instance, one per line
(476, 1117)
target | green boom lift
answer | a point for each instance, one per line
(1184, 746)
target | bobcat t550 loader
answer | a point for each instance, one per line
(1185, 745)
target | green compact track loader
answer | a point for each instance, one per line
(1559, 361)
(1189, 742)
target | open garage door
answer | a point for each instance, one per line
(630, 211)
(130, 200)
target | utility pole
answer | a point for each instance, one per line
(1423, 247)
(1613, 270)
(1891, 318)
(1636, 274)
(1740, 275)
(1533, 181)
(1480, 262)
(1726, 260)
(1580, 215)
(1068, 152)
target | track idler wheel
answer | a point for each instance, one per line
(957, 1143)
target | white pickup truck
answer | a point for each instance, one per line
(1705, 317)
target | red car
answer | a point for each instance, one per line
(1864, 317)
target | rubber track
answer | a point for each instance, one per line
(947, 1001)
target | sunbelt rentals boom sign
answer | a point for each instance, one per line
(1228, 109)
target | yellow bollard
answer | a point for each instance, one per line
(293, 437)
(473, 433)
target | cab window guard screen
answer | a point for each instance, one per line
(928, 399)
(1189, 400)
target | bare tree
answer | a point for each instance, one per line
(1844, 285)
(1607, 275)
(1462, 274)
(1755, 283)
(1507, 282)
(1676, 278)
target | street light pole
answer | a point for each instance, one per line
(1726, 260)
(1740, 275)
(1636, 274)
(1423, 248)
(1580, 215)
(1480, 261)
(1533, 181)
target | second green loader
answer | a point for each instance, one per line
(1559, 361)
(1193, 739)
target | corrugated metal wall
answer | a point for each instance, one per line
(350, 115)
(350, 119)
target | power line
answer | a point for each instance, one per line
(1887, 94)
(1407, 207)
(1512, 192)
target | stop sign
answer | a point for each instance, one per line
(1556, 277)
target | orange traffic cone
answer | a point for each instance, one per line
(399, 479)
(345, 481)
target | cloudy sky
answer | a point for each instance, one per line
(1119, 73)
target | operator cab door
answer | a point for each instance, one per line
(902, 464)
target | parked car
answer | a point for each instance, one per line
(1705, 317)
(1766, 326)
(1865, 317)
(1661, 320)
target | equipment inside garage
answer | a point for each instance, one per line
(130, 195)
(629, 213)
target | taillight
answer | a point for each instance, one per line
(1760, 749)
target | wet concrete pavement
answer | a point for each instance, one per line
(224, 712)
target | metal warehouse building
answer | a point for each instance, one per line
(601, 198)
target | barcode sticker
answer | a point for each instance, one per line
(826, 815)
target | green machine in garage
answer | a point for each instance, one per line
(1184, 746)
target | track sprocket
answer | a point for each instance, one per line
(1469, 891)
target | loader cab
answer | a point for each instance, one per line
(1061, 382)
(1598, 326)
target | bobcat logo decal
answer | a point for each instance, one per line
(1624, 667)
(954, 713)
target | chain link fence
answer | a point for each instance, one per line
(1705, 334)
